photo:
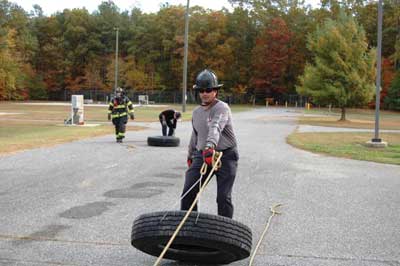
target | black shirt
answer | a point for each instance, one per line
(168, 116)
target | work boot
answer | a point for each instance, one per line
(119, 140)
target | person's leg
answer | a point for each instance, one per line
(163, 127)
(191, 177)
(225, 179)
(122, 130)
(116, 125)
(171, 131)
(170, 128)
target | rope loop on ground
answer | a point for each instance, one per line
(273, 213)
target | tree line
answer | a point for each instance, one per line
(266, 48)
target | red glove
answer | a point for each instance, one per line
(208, 154)
(189, 162)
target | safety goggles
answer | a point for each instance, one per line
(207, 90)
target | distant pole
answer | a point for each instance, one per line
(185, 58)
(116, 60)
(378, 73)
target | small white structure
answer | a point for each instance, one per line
(77, 110)
(143, 99)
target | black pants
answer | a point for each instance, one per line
(120, 126)
(225, 179)
(168, 125)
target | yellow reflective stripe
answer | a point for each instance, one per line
(109, 111)
(129, 103)
(120, 106)
(111, 104)
(118, 115)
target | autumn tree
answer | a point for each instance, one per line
(18, 48)
(392, 101)
(241, 29)
(342, 72)
(388, 75)
(8, 68)
(73, 49)
(49, 60)
(271, 57)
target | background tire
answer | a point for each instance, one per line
(163, 141)
(213, 240)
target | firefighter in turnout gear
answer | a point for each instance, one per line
(118, 110)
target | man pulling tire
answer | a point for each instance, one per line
(168, 120)
(212, 131)
(203, 238)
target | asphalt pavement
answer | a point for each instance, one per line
(74, 204)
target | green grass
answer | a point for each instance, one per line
(91, 113)
(21, 136)
(356, 118)
(39, 125)
(349, 145)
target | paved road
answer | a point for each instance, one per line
(74, 204)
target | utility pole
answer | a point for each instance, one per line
(116, 60)
(185, 58)
(378, 74)
(376, 141)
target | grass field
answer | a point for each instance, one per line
(349, 145)
(31, 125)
(356, 118)
(16, 136)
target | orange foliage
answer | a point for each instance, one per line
(271, 57)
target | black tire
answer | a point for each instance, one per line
(163, 141)
(213, 240)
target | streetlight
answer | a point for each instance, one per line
(376, 141)
(116, 60)
(185, 56)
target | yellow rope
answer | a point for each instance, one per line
(274, 212)
(203, 169)
(216, 163)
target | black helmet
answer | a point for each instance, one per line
(119, 92)
(178, 115)
(207, 79)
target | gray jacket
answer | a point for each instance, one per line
(212, 127)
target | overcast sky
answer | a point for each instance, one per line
(51, 6)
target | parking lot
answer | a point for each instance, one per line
(74, 204)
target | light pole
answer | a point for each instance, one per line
(116, 60)
(378, 74)
(185, 58)
(376, 141)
